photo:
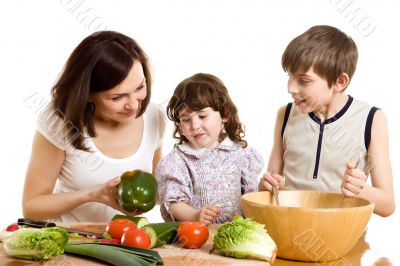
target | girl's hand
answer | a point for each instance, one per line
(106, 194)
(354, 181)
(208, 213)
(269, 180)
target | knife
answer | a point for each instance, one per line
(42, 224)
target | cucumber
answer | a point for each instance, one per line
(138, 220)
(153, 236)
(165, 232)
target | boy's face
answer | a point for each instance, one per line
(309, 91)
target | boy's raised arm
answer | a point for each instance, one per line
(381, 191)
(273, 176)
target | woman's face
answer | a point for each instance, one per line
(122, 103)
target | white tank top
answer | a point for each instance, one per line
(315, 153)
(83, 169)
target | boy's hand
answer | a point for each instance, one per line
(269, 180)
(354, 180)
(208, 213)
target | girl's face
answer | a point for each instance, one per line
(202, 128)
(121, 103)
(309, 91)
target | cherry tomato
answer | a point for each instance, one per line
(137, 238)
(117, 227)
(12, 227)
(111, 241)
(192, 234)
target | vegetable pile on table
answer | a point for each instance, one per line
(127, 240)
(138, 232)
(129, 243)
(244, 238)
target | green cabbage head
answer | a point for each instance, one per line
(244, 238)
(33, 243)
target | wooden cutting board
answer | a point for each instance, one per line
(172, 255)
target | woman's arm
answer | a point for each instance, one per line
(275, 163)
(381, 192)
(44, 167)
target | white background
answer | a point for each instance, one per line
(239, 41)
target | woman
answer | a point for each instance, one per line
(99, 124)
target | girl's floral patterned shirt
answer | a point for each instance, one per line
(217, 177)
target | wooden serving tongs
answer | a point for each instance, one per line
(276, 195)
(275, 191)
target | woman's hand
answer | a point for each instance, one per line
(354, 181)
(270, 180)
(208, 213)
(107, 193)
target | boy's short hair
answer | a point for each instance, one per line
(325, 48)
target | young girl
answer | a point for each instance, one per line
(204, 176)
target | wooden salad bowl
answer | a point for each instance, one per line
(309, 225)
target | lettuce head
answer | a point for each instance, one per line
(244, 238)
(33, 243)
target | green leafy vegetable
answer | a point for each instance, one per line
(114, 254)
(244, 238)
(33, 243)
(72, 235)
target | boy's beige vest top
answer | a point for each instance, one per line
(316, 153)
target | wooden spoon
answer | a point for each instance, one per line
(358, 161)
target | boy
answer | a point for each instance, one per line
(325, 132)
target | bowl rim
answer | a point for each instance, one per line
(368, 204)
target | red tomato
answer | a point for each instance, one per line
(137, 238)
(12, 227)
(117, 227)
(111, 241)
(115, 241)
(192, 234)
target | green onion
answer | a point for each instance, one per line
(114, 254)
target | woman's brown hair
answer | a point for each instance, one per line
(325, 48)
(201, 91)
(100, 62)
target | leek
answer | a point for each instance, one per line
(114, 254)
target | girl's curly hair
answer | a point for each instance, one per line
(201, 91)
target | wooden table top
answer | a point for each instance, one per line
(373, 248)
